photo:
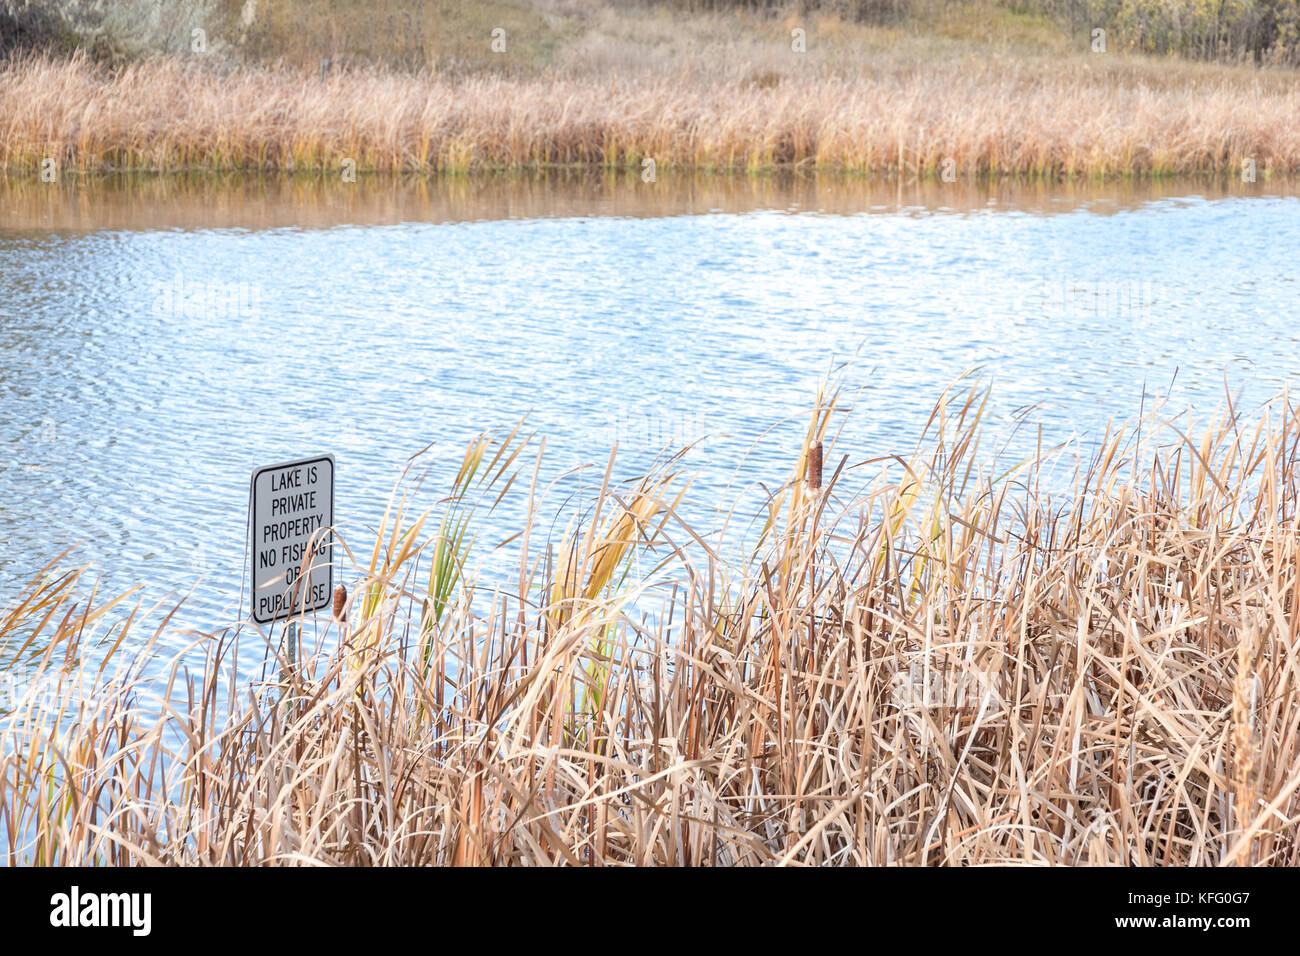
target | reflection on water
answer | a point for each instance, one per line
(260, 202)
(161, 337)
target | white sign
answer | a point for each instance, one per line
(291, 507)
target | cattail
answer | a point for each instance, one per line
(1244, 753)
(815, 467)
(340, 603)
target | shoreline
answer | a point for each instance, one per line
(270, 200)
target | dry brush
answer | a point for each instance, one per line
(949, 666)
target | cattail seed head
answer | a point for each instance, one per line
(815, 467)
(340, 602)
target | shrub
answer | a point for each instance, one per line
(114, 31)
(1261, 31)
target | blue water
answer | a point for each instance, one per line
(131, 417)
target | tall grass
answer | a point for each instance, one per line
(950, 666)
(975, 116)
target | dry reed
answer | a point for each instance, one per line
(948, 667)
(988, 115)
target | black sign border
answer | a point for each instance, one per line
(252, 539)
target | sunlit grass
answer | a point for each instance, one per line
(948, 665)
(969, 115)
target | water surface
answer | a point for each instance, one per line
(160, 338)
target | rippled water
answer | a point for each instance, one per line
(373, 322)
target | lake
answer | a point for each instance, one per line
(161, 338)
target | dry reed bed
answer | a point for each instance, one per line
(941, 669)
(1070, 117)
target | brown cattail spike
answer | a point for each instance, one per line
(815, 467)
(340, 603)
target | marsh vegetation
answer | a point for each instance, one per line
(962, 90)
(954, 666)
